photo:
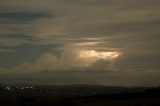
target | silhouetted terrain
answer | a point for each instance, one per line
(78, 95)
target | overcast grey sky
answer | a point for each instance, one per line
(107, 42)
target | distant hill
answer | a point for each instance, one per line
(77, 95)
(74, 90)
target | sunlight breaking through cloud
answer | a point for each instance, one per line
(98, 55)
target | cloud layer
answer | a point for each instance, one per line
(47, 36)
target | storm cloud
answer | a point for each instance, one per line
(49, 36)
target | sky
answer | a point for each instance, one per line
(100, 42)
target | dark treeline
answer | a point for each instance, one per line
(149, 97)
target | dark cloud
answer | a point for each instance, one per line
(23, 16)
(18, 35)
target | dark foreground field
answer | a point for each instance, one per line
(78, 96)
